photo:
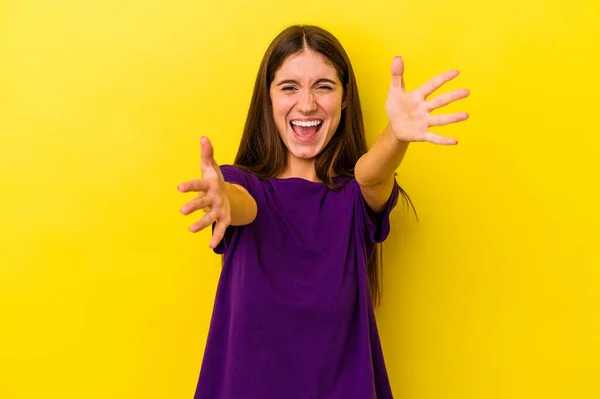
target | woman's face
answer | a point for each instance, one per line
(307, 96)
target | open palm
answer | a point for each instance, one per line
(409, 113)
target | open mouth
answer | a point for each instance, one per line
(306, 131)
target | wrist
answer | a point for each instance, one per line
(395, 138)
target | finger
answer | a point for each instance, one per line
(195, 204)
(206, 221)
(218, 233)
(437, 139)
(207, 208)
(446, 98)
(194, 185)
(432, 85)
(446, 119)
(206, 153)
(398, 72)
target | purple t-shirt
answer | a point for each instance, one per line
(293, 317)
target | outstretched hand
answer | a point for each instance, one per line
(212, 195)
(409, 112)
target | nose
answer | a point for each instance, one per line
(307, 103)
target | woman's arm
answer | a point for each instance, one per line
(410, 118)
(375, 170)
(243, 206)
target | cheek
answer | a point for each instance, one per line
(332, 102)
(334, 108)
(281, 106)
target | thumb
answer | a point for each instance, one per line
(208, 165)
(206, 153)
(398, 72)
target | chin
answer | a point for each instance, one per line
(306, 148)
(306, 155)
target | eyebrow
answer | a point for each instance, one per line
(292, 81)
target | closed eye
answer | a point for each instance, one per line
(321, 87)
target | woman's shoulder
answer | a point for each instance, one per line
(233, 169)
(235, 174)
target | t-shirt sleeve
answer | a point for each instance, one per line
(233, 175)
(377, 226)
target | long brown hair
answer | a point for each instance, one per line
(261, 149)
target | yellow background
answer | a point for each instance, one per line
(105, 294)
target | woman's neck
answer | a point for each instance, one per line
(301, 168)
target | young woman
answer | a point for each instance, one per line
(297, 218)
